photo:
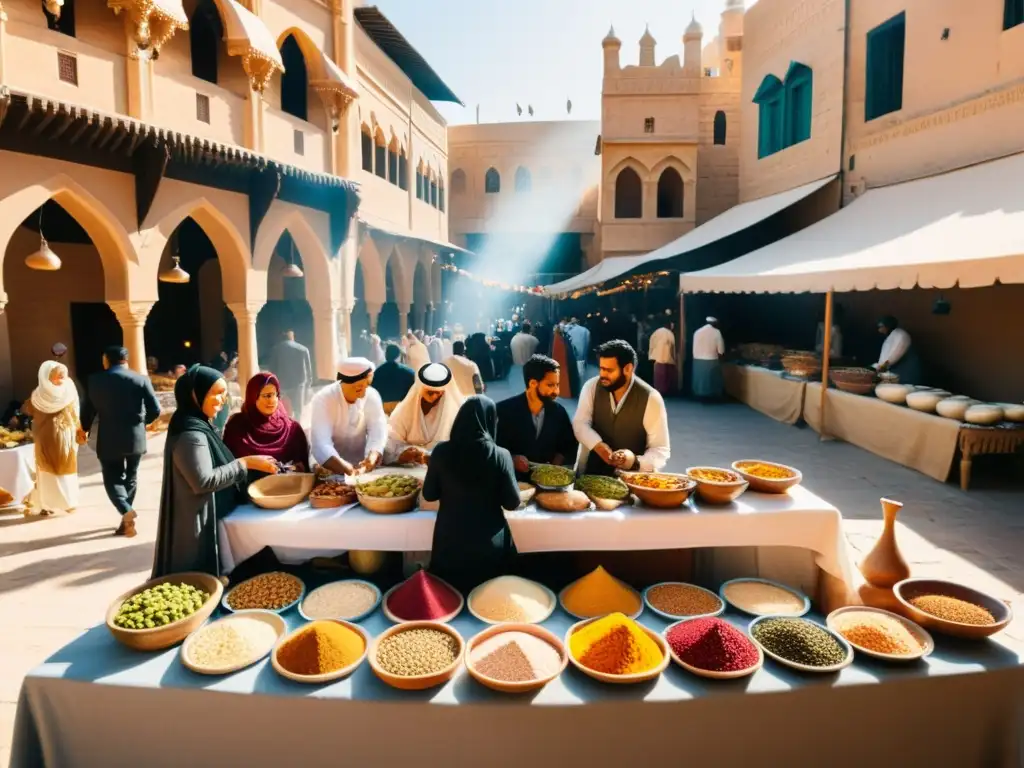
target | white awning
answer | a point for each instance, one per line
(961, 228)
(736, 219)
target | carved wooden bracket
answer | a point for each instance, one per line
(149, 164)
(264, 187)
(151, 23)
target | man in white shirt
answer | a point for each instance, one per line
(416, 354)
(708, 348)
(663, 354)
(465, 371)
(523, 346)
(620, 421)
(349, 428)
(898, 354)
(425, 417)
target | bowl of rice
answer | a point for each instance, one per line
(347, 599)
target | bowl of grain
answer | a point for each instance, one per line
(416, 655)
(511, 600)
(767, 476)
(674, 600)
(801, 644)
(515, 658)
(161, 637)
(716, 485)
(880, 633)
(951, 608)
(661, 490)
(281, 491)
(276, 591)
(348, 599)
(763, 597)
(232, 643)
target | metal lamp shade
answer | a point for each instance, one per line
(175, 274)
(44, 260)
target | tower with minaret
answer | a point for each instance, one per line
(612, 45)
(647, 43)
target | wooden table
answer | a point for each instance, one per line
(975, 440)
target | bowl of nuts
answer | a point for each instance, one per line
(716, 485)
(767, 476)
(332, 493)
(389, 494)
(276, 591)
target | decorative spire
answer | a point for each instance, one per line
(648, 38)
(610, 38)
(694, 28)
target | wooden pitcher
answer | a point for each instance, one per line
(884, 566)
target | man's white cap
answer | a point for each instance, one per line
(352, 369)
(710, 319)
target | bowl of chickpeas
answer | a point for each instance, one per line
(716, 485)
(767, 476)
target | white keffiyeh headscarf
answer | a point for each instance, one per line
(52, 398)
(408, 424)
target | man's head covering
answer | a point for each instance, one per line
(434, 375)
(710, 319)
(889, 322)
(59, 350)
(352, 369)
(408, 423)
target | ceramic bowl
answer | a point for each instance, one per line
(710, 673)
(302, 593)
(524, 686)
(920, 634)
(908, 589)
(443, 620)
(604, 677)
(273, 620)
(714, 492)
(985, 414)
(552, 602)
(768, 484)
(634, 615)
(326, 677)
(674, 617)
(416, 682)
(544, 487)
(360, 617)
(806, 600)
(797, 665)
(954, 407)
(1013, 411)
(893, 393)
(926, 400)
(159, 638)
(394, 505)
(655, 497)
(281, 491)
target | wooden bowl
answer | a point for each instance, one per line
(908, 589)
(416, 682)
(281, 491)
(159, 638)
(271, 619)
(443, 620)
(713, 492)
(795, 664)
(795, 592)
(766, 484)
(676, 618)
(920, 634)
(361, 616)
(656, 498)
(855, 387)
(634, 615)
(515, 687)
(394, 505)
(552, 603)
(302, 593)
(326, 677)
(710, 673)
(604, 677)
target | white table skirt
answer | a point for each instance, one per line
(18, 470)
(797, 519)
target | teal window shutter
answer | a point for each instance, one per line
(1013, 13)
(769, 99)
(799, 93)
(886, 45)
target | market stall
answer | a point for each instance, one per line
(18, 472)
(768, 392)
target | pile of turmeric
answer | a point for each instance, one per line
(322, 647)
(615, 645)
(598, 594)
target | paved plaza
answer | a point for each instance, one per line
(58, 575)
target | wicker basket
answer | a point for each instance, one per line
(857, 381)
(803, 365)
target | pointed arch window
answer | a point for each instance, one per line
(524, 182)
(719, 127)
(403, 172)
(458, 181)
(670, 194)
(628, 195)
(420, 184)
(798, 88)
(492, 182)
(380, 157)
(205, 32)
(393, 163)
(294, 80)
(367, 147)
(433, 192)
(769, 100)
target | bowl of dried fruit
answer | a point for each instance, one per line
(661, 490)
(767, 476)
(332, 493)
(716, 485)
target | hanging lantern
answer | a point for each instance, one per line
(175, 274)
(292, 269)
(45, 260)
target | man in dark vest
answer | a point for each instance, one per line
(620, 421)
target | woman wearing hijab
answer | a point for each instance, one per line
(57, 433)
(474, 481)
(264, 428)
(202, 480)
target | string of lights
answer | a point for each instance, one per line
(488, 283)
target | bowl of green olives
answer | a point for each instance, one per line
(550, 477)
(163, 612)
(389, 494)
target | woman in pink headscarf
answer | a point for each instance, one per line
(263, 427)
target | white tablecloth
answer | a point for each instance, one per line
(797, 519)
(17, 470)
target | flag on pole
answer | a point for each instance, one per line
(478, 114)
(568, 106)
(519, 110)
(529, 108)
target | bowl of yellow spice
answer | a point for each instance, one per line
(767, 476)
(616, 649)
(321, 651)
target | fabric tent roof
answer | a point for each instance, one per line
(734, 220)
(961, 228)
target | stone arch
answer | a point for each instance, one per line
(371, 263)
(403, 275)
(492, 181)
(629, 195)
(670, 194)
(310, 244)
(671, 161)
(108, 235)
(458, 185)
(642, 170)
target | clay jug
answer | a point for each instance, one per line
(884, 566)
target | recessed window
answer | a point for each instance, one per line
(380, 159)
(367, 150)
(492, 182)
(203, 108)
(419, 185)
(205, 33)
(648, 125)
(524, 182)
(769, 98)
(67, 67)
(884, 76)
(1013, 13)
(719, 127)
(403, 172)
(294, 80)
(798, 98)
(629, 200)
(458, 181)
(670, 194)
(393, 164)
(299, 142)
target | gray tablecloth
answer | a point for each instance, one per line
(97, 703)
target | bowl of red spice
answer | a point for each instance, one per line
(709, 646)
(952, 608)
(422, 597)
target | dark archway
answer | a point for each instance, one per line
(720, 127)
(294, 80)
(458, 181)
(492, 182)
(629, 198)
(367, 149)
(387, 322)
(670, 194)
(205, 34)
(286, 307)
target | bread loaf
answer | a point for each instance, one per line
(562, 501)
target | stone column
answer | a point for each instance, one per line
(254, 121)
(403, 318)
(344, 331)
(373, 310)
(325, 331)
(132, 317)
(139, 71)
(649, 196)
(429, 319)
(419, 316)
(248, 355)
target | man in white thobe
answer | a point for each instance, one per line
(523, 346)
(662, 353)
(425, 417)
(349, 429)
(708, 348)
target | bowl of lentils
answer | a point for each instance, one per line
(951, 608)
(801, 644)
(276, 591)
(416, 655)
(676, 600)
